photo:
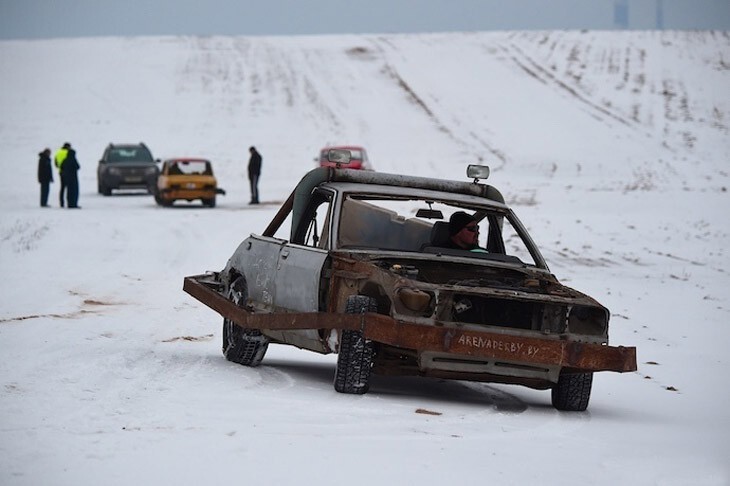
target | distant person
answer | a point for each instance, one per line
(254, 172)
(69, 173)
(45, 175)
(58, 160)
(463, 233)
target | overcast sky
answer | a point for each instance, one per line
(30, 19)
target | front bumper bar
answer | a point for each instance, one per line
(577, 356)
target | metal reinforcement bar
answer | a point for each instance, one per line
(386, 330)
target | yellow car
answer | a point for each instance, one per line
(188, 179)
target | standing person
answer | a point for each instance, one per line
(69, 173)
(58, 160)
(45, 175)
(254, 172)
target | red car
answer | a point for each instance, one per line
(358, 157)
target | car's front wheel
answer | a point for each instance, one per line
(209, 202)
(355, 357)
(572, 392)
(241, 345)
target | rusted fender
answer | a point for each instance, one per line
(386, 330)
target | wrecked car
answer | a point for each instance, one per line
(355, 263)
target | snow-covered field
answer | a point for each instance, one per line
(614, 148)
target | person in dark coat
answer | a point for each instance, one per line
(69, 172)
(45, 175)
(254, 172)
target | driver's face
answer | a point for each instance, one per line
(469, 235)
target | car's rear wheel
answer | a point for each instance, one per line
(572, 392)
(209, 202)
(355, 357)
(241, 345)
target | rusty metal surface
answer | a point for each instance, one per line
(386, 330)
(554, 292)
(401, 182)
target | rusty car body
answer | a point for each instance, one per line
(351, 264)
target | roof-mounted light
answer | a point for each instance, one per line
(339, 157)
(477, 172)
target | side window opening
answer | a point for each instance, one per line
(495, 244)
(284, 230)
(313, 229)
(514, 244)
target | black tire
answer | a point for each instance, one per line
(355, 357)
(106, 191)
(243, 346)
(209, 202)
(572, 392)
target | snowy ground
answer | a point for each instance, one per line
(612, 147)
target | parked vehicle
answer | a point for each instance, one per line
(358, 157)
(126, 166)
(354, 263)
(187, 179)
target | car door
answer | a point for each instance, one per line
(257, 257)
(298, 276)
(297, 280)
(301, 262)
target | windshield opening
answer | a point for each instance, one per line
(429, 226)
(130, 154)
(190, 167)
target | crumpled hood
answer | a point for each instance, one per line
(524, 283)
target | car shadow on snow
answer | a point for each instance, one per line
(129, 193)
(446, 391)
(414, 388)
(187, 205)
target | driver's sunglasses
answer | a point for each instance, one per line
(473, 229)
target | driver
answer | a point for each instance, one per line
(463, 232)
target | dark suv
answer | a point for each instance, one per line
(127, 166)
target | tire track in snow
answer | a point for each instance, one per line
(391, 72)
(24, 235)
(536, 70)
